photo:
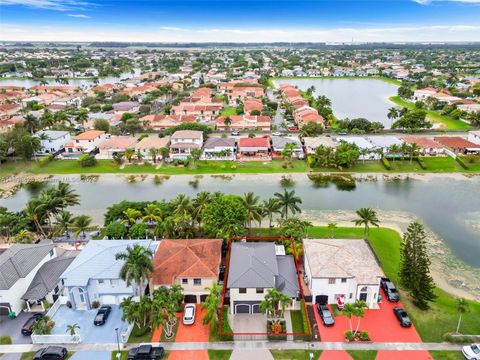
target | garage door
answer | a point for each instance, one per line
(190, 299)
(4, 308)
(242, 309)
(256, 308)
(321, 299)
(109, 300)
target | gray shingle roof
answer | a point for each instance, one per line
(213, 142)
(279, 142)
(19, 260)
(287, 280)
(48, 276)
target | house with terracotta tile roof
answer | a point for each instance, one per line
(458, 144)
(423, 94)
(152, 141)
(7, 125)
(194, 264)
(252, 104)
(244, 122)
(115, 145)
(8, 110)
(427, 145)
(307, 114)
(160, 122)
(239, 93)
(86, 141)
(257, 148)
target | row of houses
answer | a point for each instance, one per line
(302, 113)
(33, 273)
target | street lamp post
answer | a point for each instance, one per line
(118, 344)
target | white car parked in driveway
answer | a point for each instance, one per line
(471, 352)
(189, 314)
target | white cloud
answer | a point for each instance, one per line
(98, 32)
(59, 5)
(82, 16)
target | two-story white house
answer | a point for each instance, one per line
(18, 266)
(345, 269)
(94, 275)
(182, 142)
(53, 141)
(256, 267)
(194, 264)
(86, 141)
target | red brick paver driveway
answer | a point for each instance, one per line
(192, 333)
(335, 355)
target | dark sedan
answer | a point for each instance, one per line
(102, 315)
(326, 315)
(51, 353)
(402, 317)
(27, 327)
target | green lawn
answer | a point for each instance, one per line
(14, 167)
(139, 335)
(446, 121)
(229, 111)
(432, 324)
(362, 354)
(294, 354)
(447, 355)
(123, 354)
(297, 323)
(219, 354)
(5, 340)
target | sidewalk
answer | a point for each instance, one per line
(238, 345)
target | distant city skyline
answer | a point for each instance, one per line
(240, 21)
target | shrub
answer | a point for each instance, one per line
(460, 339)
(227, 332)
(138, 231)
(45, 160)
(306, 328)
(233, 167)
(5, 340)
(86, 160)
(422, 163)
(349, 335)
(114, 230)
(95, 304)
(271, 329)
(68, 304)
(364, 336)
(461, 162)
(386, 163)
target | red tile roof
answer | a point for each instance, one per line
(254, 142)
(186, 258)
(455, 142)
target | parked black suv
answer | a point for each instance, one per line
(390, 290)
(402, 317)
(326, 315)
(51, 353)
(147, 352)
(27, 327)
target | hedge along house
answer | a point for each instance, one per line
(94, 275)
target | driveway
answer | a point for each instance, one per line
(13, 327)
(89, 333)
(103, 355)
(250, 326)
(381, 324)
(192, 333)
(260, 354)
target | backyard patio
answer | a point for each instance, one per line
(88, 332)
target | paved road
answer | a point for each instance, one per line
(237, 345)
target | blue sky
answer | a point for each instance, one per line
(240, 20)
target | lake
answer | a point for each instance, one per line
(448, 206)
(352, 98)
(84, 83)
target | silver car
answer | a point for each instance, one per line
(471, 352)
(189, 314)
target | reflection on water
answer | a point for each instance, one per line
(443, 204)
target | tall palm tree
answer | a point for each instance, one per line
(24, 237)
(152, 213)
(200, 202)
(288, 201)
(271, 206)
(34, 211)
(129, 154)
(67, 195)
(462, 308)
(275, 303)
(212, 303)
(63, 221)
(137, 266)
(164, 153)
(131, 216)
(366, 217)
(153, 153)
(250, 200)
(182, 204)
(81, 224)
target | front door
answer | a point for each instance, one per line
(363, 296)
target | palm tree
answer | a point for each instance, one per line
(288, 150)
(131, 216)
(35, 212)
(212, 303)
(81, 224)
(462, 308)
(153, 153)
(356, 309)
(271, 206)
(200, 202)
(152, 213)
(288, 201)
(274, 303)
(139, 155)
(137, 266)
(82, 116)
(227, 122)
(332, 226)
(182, 205)
(366, 217)
(164, 153)
(392, 113)
(63, 221)
(413, 150)
(129, 154)
(250, 200)
(24, 237)
(72, 328)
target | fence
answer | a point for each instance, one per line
(56, 339)
(62, 300)
(125, 333)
